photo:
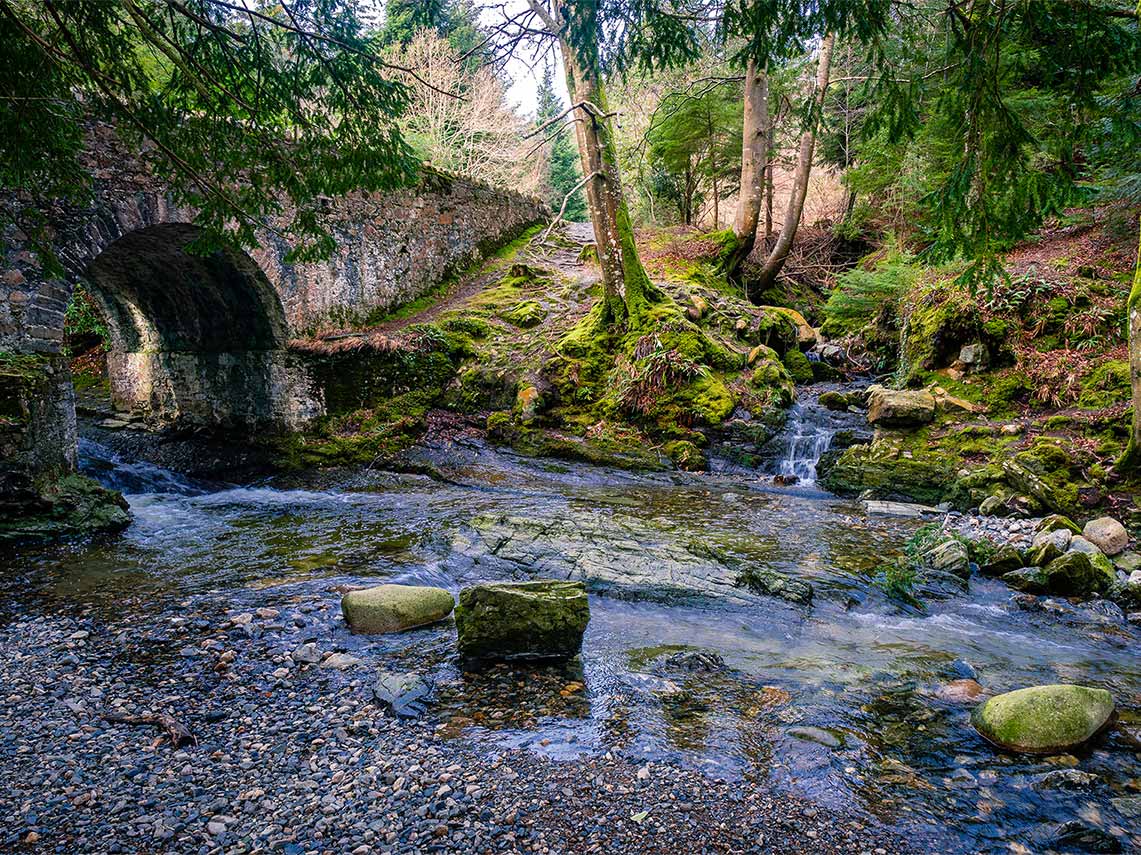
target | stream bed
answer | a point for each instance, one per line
(841, 700)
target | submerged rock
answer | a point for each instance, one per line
(1065, 779)
(900, 408)
(1076, 836)
(392, 608)
(818, 735)
(616, 550)
(1108, 534)
(407, 695)
(1043, 719)
(522, 620)
(961, 691)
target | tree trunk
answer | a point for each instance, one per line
(770, 156)
(1131, 460)
(779, 253)
(754, 157)
(626, 288)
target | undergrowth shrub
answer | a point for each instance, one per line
(860, 294)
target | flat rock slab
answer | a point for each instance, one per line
(393, 608)
(898, 509)
(615, 550)
(544, 619)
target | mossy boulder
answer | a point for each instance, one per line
(805, 334)
(393, 608)
(900, 408)
(1057, 521)
(799, 368)
(1075, 575)
(525, 314)
(1029, 580)
(834, 401)
(1006, 560)
(1044, 719)
(770, 377)
(686, 455)
(543, 619)
(889, 472)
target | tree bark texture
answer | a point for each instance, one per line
(1132, 458)
(626, 288)
(754, 160)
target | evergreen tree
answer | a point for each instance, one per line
(562, 159)
(695, 145)
(455, 20)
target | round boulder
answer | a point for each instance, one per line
(1043, 719)
(392, 608)
(1107, 534)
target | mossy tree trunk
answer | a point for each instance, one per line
(626, 287)
(1131, 461)
(779, 253)
(754, 166)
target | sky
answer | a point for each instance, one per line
(524, 79)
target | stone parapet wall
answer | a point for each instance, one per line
(391, 247)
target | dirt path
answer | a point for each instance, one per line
(560, 253)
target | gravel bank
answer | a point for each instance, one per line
(298, 758)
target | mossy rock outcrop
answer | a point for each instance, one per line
(393, 608)
(1044, 719)
(522, 620)
(889, 472)
(73, 506)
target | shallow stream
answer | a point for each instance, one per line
(839, 699)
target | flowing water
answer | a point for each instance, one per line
(840, 699)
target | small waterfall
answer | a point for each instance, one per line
(808, 434)
(791, 456)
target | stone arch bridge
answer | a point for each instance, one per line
(205, 339)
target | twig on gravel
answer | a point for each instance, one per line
(174, 730)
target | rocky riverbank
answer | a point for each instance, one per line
(298, 757)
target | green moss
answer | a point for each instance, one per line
(476, 328)
(936, 324)
(1106, 385)
(910, 469)
(621, 452)
(686, 455)
(799, 368)
(1044, 719)
(525, 314)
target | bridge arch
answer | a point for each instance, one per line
(195, 339)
